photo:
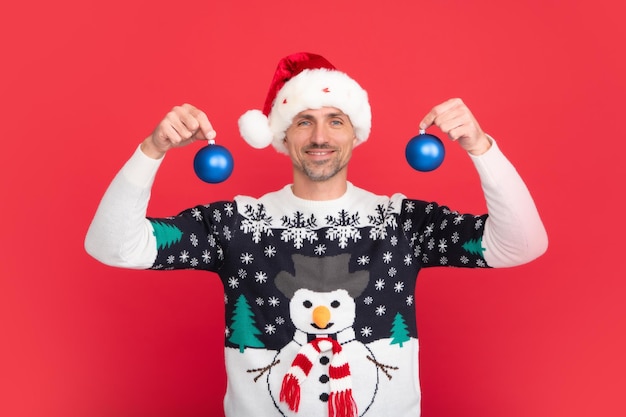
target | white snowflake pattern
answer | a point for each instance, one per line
(184, 256)
(260, 277)
(233, 282)
(269, 251)
(387, 256)
(206, 256)
(270, 329)
(366, 331)
(193, 239)
(196, 214)
(363, 260)
(381, 220)
(458, 219)
(320, 249)
(392, 272)
(227, 332)
(227, 233)
(380, 284)
(211, 240)
(409, 206)
(429, 229)
(299, 229)
(407, 225)
(217, 215)
(478, 224)
(399, 286)
(393, 240)
(259, 301)
(343, 228)
(464, 260)
(443, 224)
(443, 245)
(246, 258)
(242, 273)
(480, 263)
(194, 262)
(257, 222)
(171, 259)
(431, 243)
(273, 301)
(229, 209)
(443, 260)
(455, 237)
(409, 300)
(381, 310)
(429, 208)
(368, 300)
(279, 320)
(408, 260)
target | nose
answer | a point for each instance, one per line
(321, 316)
(319, 136)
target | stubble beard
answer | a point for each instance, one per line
(316, 171)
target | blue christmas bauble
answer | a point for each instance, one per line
(425, 152)
(213, 163)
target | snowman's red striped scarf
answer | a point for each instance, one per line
(340, 401)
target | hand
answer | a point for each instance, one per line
(180, 127)
(456, 120)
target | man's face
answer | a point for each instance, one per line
(320, 142)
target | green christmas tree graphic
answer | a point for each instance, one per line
(399, 331)
(474, 246)
(166, 234)
(244, 330)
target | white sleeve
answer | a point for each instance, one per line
(514, 233)
(119, 234)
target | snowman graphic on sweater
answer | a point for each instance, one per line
(312, 375)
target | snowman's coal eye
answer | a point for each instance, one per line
(307, 304)
(335, 304)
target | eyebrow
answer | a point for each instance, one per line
(327, 116)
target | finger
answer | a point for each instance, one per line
(438, 113)
(167, 134)
(205, 128)
(183, 120)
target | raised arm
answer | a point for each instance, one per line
(119, 234)
(514, 233)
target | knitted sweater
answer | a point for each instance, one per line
(342, 270)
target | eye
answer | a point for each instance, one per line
(336, 122)
(307, 304)
(335, 304)
(304, 122)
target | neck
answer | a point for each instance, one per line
(329, 189)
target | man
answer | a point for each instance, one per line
(318, 276)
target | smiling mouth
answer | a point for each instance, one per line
(328, 326)
(319, 152)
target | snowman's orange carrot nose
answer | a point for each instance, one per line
(321, 316)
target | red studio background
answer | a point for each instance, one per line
(82, 83)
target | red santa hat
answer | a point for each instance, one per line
(305, 81)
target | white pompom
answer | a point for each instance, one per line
(255, 129)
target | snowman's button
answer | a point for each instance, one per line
(324, 379)
(324, 397)
(324, 360)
